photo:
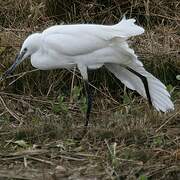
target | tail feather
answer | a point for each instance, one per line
(165, 102)
(128, 28)
(159, 95)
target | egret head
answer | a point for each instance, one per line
(29, 47)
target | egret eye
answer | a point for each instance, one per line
(25, 50)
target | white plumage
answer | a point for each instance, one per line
(90, 46)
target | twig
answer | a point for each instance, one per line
(15, 30)
(13, 96)
(4, 112)
(69, 158)
(9, 111)
(87, 155)
(12, 158)
(23, 153)
(131, 160)
(41, 160)
(21, 75)
(169, 118)
(25, 161)
(166, 17)
(49, 90)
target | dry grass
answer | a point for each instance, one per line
(41, 122)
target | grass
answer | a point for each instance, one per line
(41, 122)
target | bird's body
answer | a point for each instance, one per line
(90, 46)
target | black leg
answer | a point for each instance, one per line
(89, 103)
(145, 82)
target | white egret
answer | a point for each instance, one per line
(91, 46)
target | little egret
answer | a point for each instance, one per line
(91, 46)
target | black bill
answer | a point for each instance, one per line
(15, 64)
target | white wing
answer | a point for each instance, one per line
(124, 29)
(73, 45)
(158, 93)
(86, 38)
(93, 43)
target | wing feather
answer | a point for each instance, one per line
(159, 95)
(71, 45)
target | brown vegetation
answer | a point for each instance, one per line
(42, 113)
